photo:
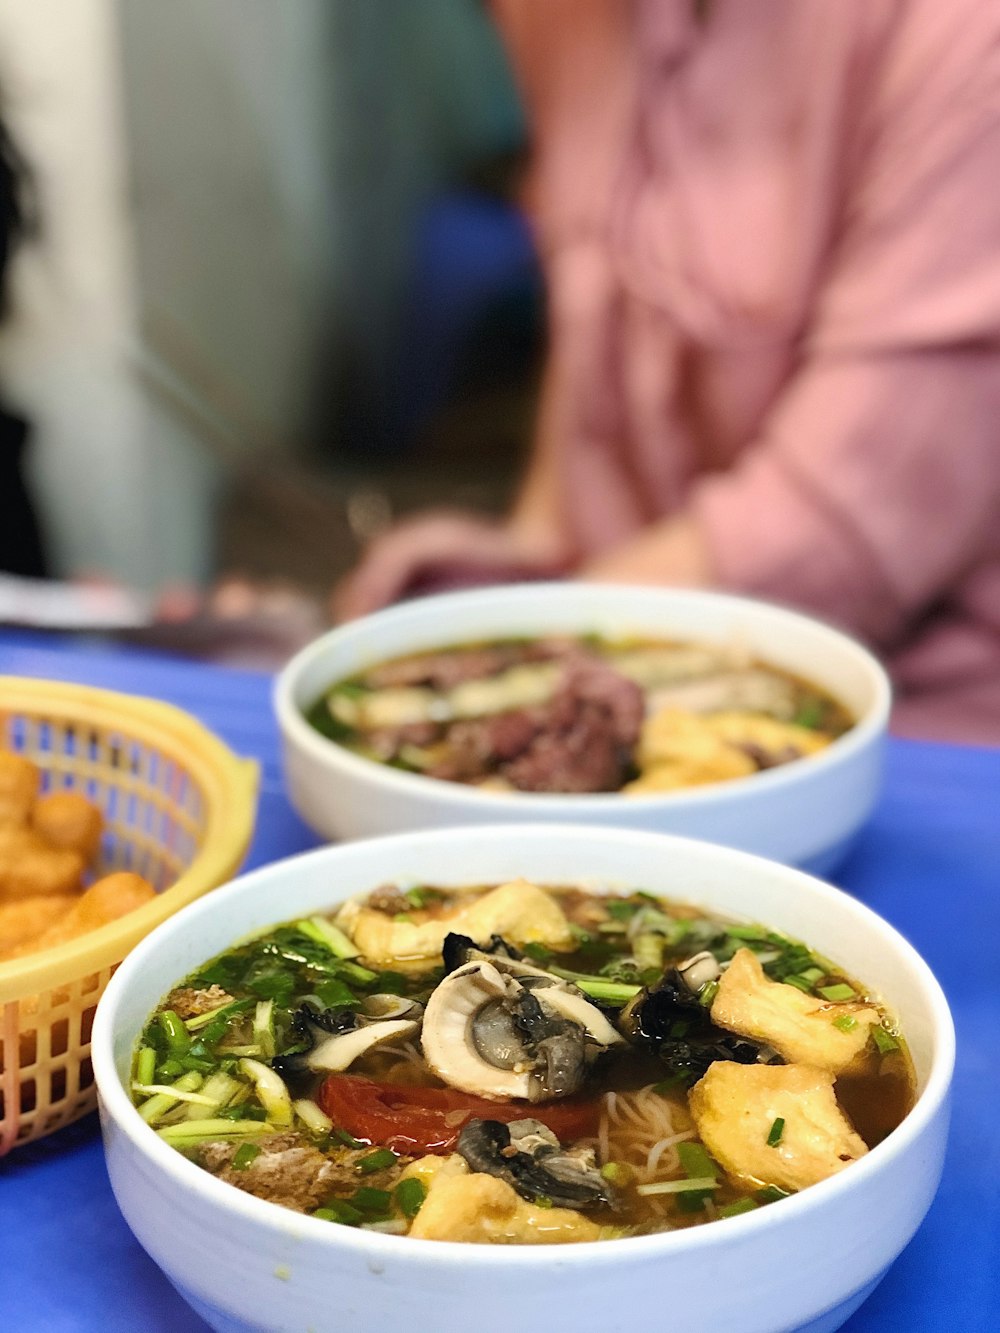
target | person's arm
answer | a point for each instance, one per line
(875, 481)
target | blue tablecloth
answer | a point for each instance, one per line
(928, 862)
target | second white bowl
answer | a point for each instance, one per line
(803, 813)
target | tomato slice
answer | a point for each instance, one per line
(413, 1119)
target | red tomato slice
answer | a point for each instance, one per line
(411, 1119)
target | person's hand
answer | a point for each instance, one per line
(438, 550)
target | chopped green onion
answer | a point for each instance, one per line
(371, 1200)
(335, 994)
(620, 909)
(244, 1155)
(647, 949)
(348, 1140)
(845, 1023)
(618, 1173)
(775, 1132)
(692, 1184)
(145, 1065)
(810, 714)
(321, 931)
(666, 1086)
(355, 972)
(403, 918)
(600, 988)
(538, 953)
(695, 1160)
(200, 1131)
(734, 1209)
(542, 1201)
(166, 1090)
(771, 1194)
(377, 1160)
(799, 982)
(178, 1039)
(812, 974)
(312, 1117)
(224, 1011)
(841, 991)
(339, 1210)
(242, 1111)
(271, 1090)
(218, 1089)
(263, 1028)
(163, 1102)
(707, 994)
(748, 933)
(410, 1195)
(884, 1040)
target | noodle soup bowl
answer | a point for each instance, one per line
(803, 1263)
(804, 813)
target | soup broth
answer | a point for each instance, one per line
(518, 1064)
(581, 714)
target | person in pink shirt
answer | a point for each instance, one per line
(771, 233)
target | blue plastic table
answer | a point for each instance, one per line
(928, 862)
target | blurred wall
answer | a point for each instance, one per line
(227, 189)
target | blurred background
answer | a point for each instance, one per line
(274, 290)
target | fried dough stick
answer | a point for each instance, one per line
(29, 866)
(105, 901)
(67, 820)
(19, 782)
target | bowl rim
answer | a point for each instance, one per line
(117, 1107)
(866, 731)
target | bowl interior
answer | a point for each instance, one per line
(784, 638)
(729, 882)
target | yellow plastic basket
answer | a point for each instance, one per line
(179, 809)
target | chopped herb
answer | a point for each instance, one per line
(244, 1111)
(420, 896)
(666, 1086)
(377, 1160)
(244, 1155)
(810, 714)
(845, 1023)
(841, 991)
(347, 1139)
(618, 1173)
(884, 1040)
(391, 983)
(355, 972)
(771, 1194)
(620, 909)
(701, 1185)
(334, 994)
(800, 983)
(708, 993)
(695, 1160)
(542, 1201)
(775, 1132)
(372, 1201)
(734, 1209)
(409, 1195)
(339, 1210)
(403, 918)
(748, 933)
(178, 1038)
(538, 953)
(145, 1065)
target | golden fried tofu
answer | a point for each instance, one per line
(105, 901)
(521, 912)
(66, 819)
(29, 866)
(773, 1124)
(679, 749)
(776, 739)
(19, 781)
(478, 1208)
(24, 919)
(800, 1027)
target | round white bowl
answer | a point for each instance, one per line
(804, 1263)
(805, 813)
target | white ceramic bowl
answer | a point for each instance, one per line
(804, 1263)
(804, 813)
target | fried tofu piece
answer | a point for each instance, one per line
(778, 740)
(106, 901)
(521, 912)
(66, 819)
(478, 1208)
(25, 919)
(19, 782)
(678, 749)
(736, 1109)
(29, 866)
(801, 1028)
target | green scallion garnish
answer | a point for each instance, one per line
(735, 1209)
(775, 1132)
(409, 1195)
(377, 1160)
(884, 1040)
(244, 1155)
(841, 991)
(845, 1023)
(771, 1194)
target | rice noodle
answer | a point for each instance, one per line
(642, 1130)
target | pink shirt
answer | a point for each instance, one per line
(773, 246)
